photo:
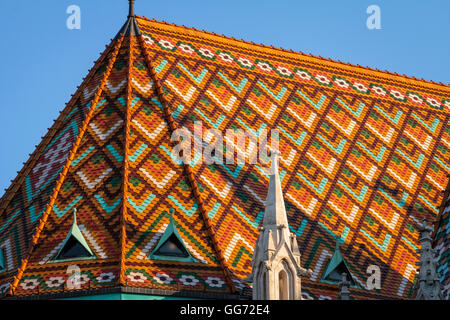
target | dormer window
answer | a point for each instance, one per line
(335, 268)
(74, 246)
(73, 249)
(171, 246)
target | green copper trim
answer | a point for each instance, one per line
(2, 261)
(171, 230)
(127, 296)
(335, 261)
(76, 233)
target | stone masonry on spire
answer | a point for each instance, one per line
(429, 285)
(276, 270)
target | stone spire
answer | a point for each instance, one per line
(428, 284)
(344, 285)
(275, 213)
(276, 271)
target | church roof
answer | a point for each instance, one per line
(364, 157)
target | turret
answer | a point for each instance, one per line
(428, 284)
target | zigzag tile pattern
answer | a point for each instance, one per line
(155, 185)
(20, 215)
(92, 186)
(363, 158)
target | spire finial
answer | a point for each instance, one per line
(274, 154)
(425, 222)
(171, 211)
(131, 11)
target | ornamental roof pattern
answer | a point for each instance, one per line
(364, 158)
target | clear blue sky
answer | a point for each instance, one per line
(43, 61)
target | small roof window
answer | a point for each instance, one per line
(336, 267)
(171, 246)
(74, 246)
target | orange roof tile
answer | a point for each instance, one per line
(364, 158)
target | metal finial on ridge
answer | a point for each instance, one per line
(131, 26)
(131, 8)
(275, 156)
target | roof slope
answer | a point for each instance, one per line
(364, 156)
(111, 149)
(27, 201)
(364, 152)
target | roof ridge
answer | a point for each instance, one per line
(187, 171)
(123, 232)
(130, 27)
(340, 64)
(66, 166)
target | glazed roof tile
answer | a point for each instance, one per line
(364, 157)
